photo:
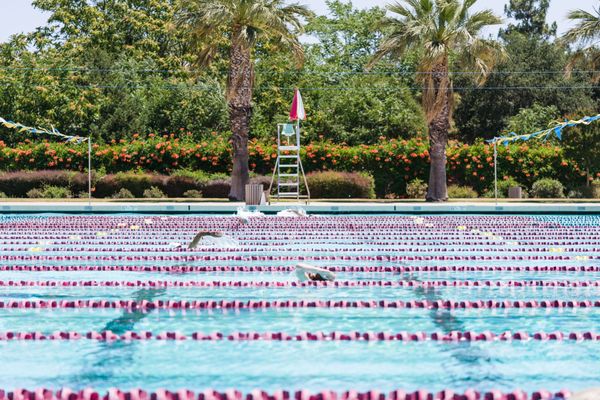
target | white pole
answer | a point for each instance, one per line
(298, 162)
(90, 171)
(496, 171)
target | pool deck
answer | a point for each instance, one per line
(402, 207)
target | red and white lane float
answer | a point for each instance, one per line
(277, 304)
(454, 336)
(183, 394)
(247, 258)
(286, 269)
(289, 284)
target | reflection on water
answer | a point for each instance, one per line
(469, 356)
(103, 364)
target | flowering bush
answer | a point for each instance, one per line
(392, 163)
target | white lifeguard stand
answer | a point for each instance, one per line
(288, 166)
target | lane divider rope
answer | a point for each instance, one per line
(183, 394)
(262, 304)
(454, 336)
(387, 258)
(284, 268)
(288, 284)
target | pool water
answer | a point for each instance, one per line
(398, 249)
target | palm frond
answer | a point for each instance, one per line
(586, 30)
(588, 59)
(438, 28)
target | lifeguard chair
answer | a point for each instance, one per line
(288, 166)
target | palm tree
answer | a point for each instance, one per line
(587, 28)
(434, 30)
(242, 23)
(586, 32)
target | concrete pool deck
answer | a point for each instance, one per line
(400, 207)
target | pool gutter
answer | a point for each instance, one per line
(315, 207)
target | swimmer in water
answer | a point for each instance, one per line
(315, 277)
(194, 243)
(307, 272)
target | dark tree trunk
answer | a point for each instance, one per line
(240, 111)
(439, 126)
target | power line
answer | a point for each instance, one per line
(305, 72)
(322, 88)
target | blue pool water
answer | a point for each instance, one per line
(197, 365)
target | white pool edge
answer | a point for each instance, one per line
(316, 207)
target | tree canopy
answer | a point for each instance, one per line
(114, 68)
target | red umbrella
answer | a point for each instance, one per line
(297, 112)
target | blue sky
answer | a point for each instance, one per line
(19, 16)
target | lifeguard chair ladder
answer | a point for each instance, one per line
(288, 166)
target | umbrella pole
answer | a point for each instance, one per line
(90, 171)
(496, 172)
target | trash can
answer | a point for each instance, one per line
(254, 194)
(515, 192)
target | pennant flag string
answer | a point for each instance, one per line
(546, 133)
(22, 128)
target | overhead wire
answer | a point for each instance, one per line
(306, 72)
(305, 88)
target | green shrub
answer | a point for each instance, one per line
(580, 192)
(332, 185)
(18, 184)
(50, 192)
(56, 192)
(595, 185)
(123, 194)
(416, 189)
(503, 186)
(3, 195)
(177, 185)
(135, 182)
(192, 194)
(585, 192)
(461, 192)
(199, 175)
(154, 193)
(35, 194)
(548, 189)
(216, 189)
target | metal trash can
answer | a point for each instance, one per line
(515, 192)
(254, 194)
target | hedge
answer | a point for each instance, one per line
(392, 163)
(339, 185)
(29, 183)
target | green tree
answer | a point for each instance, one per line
(344, 102)
(531, 74)
(244, 22)
(534, 119)
(347, 37)
(582, 144)
(530, 16)
(441, 29)
(141, 29)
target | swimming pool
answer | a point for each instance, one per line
(445, 302)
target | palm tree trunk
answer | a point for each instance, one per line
(439, 125)
(239, 95)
